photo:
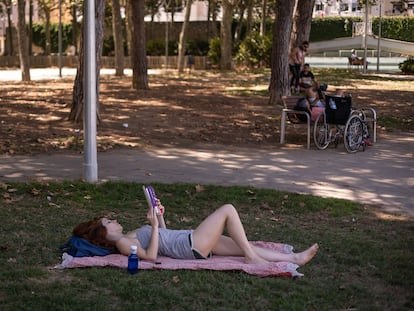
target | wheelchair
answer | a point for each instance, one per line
(341, 120)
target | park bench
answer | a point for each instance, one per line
(291, 115)
(356, 62)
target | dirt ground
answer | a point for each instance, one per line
(224, 109)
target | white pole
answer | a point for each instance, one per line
(379, 36)
(89, 88)
(60, 38)
(366, 37)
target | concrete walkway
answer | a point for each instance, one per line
(382, 175)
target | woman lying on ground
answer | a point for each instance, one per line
(207, 239)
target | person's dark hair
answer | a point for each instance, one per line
(93, 231)
(305, 43)
(307, 65)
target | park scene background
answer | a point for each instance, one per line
(366, 254)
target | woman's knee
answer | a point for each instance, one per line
(229, 208)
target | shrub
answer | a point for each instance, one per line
(157, 47)
(407, 66)
(214, 52)
(255, 50)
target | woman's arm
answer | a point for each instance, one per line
(124, 244)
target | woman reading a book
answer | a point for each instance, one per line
(207, 239)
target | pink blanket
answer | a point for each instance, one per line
(213, 263)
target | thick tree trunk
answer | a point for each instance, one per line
(226, 62)
(281, 36)
(138, 47)
(76, 112)
(22, 39)
(118, 38)
(183, 37)
(302, 22)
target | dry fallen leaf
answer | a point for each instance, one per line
(176, 279)
(199, 188)
(35, 191)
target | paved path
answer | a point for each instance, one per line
(382, 175)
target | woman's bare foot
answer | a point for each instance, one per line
(305, 256)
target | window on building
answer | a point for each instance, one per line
(319, 6)
(344, 7)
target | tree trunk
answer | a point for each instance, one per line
(76, 112)
(30, 34)
(118, 38)
(249, 18)
(138, 46)
(239, 23)
(282, 27)
(212, 5)
(226, 62)
(75, 27)
(47, 31)
(129, 26)
(22, 40)
(302, 22)
(263, 18)
(183, 37)
(10, 29)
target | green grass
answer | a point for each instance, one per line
(365, 262)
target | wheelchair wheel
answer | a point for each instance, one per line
(321, 132)
(354, 134)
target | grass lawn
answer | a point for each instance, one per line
(365, 262)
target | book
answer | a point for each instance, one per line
(151, 198)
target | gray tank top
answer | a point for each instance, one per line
(172, 243)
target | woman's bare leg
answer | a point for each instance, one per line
(227, 247)
(209, 233)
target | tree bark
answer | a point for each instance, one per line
(282, 27)
(118, 38)
(47, 31)
(302, 22)
(183, 37)
(212, 13)
(226, 62)
(263, 18)
(73, 10)
(138, 46)
(22, 40)
(76, 112)
(10, 29)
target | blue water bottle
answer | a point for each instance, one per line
(133, 260)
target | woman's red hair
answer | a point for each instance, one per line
(93, 231)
